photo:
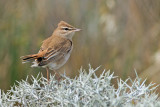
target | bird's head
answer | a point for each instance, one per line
(66, 30)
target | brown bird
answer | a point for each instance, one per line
(55, 50)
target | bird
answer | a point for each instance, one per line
(55, 50)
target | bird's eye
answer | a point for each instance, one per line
(66, 29)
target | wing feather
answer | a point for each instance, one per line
(55, 53)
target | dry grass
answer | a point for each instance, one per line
(120, 35)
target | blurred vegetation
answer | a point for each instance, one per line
(121, 35)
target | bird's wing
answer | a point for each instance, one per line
(45, 44)
(56, 52)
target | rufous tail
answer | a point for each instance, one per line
(29, 58)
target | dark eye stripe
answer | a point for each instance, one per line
(66, 28)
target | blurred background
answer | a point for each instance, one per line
(120, 35)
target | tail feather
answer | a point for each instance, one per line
(29, 58)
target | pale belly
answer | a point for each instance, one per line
(56, 65)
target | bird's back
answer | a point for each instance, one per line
(56, 48)
(54, 42)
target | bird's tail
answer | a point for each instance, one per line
(29, 58)
(35, 58)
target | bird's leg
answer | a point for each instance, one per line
(47, 73)
(57, 75)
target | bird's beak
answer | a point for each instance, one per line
(76, 29)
